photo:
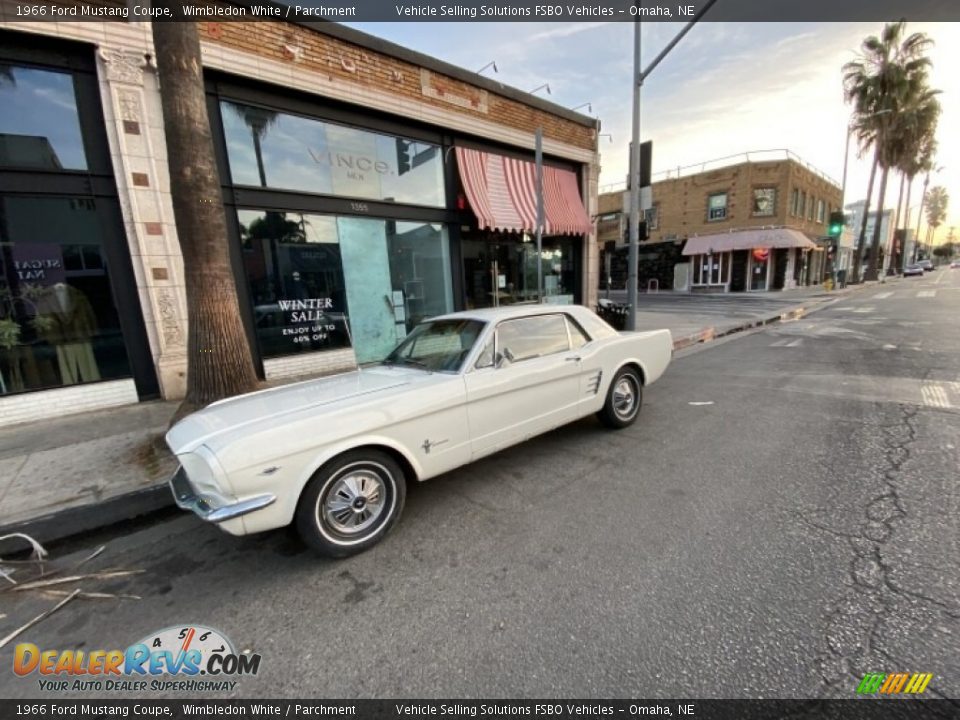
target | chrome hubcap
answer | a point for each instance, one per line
(354, 502)
(624, 398)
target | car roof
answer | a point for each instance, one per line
(505, 312)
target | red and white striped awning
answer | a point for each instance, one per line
(502, 192)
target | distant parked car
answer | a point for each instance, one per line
(913, 269)
(955, 265)
(927, 265)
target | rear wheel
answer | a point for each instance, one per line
(351, 503)
(624, 399)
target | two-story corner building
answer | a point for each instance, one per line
(366, 186)
(753, 222)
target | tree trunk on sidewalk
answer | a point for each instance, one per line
(219, 362)
(858, 251)
(874, 259)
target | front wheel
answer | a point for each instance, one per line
(351, 503)
(623, 399)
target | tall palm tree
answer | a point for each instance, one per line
(889, 76)
(913, 166)
(219, 361)
(937, 201)
(916, 151)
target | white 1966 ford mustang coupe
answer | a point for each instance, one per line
(333, 455)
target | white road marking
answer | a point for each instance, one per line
(867, 309)
(934, 396)
(889, 347)
(701, 402)
(787, 342)
(882, 296)
(927, 293)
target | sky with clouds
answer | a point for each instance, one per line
(727, 88)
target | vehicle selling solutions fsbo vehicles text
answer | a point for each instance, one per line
(552, 11)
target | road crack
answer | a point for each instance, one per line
(857, 621)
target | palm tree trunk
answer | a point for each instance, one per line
(895, 256)
(858, 251)
(874, 258)
(219, 362)
(906, 222)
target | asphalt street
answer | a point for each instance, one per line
(782, 519)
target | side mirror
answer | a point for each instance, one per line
(503, 358)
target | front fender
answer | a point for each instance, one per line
(289, 488)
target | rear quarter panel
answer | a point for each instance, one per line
(650, 350)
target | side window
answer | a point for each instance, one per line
(578, 338)
(486, 356)
(532, 337)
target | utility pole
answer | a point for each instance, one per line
(633, 254)
(539, 160)
(638, 78)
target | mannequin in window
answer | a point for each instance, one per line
(69, 324)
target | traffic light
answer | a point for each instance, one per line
(837, 221)
(403, 156)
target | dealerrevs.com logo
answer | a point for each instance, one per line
(187, 658)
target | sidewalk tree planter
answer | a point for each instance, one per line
(219, 361)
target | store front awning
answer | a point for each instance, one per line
(747, 240)
(502, 192)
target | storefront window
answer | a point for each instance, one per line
(58, 320)
(271, 149)
(320, 282)
(501, 270)
(711, 269)
(39, 125)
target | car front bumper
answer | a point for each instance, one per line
(213, 508)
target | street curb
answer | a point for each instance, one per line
(713, 333)
(76, 520)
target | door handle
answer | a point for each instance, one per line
(573, 359)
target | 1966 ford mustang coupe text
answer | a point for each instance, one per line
(333, 455)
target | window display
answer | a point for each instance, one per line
(58, 320)
(321, 282)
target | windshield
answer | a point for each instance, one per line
(437, 345)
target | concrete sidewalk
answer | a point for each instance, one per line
(63, 477)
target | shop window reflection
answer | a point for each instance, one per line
(39, 125)
(271, 149)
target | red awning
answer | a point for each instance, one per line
(747, 240)
(502, 192)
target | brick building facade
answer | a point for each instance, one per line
(338, 156)
(779, 206)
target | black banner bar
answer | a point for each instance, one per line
(481, 10)
(863, 709)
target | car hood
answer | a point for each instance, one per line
(234, 413)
